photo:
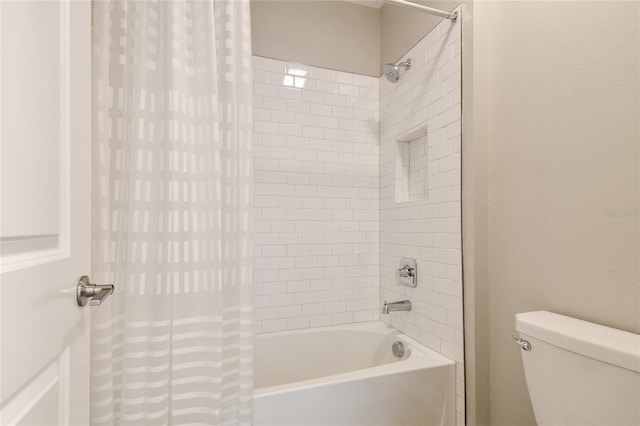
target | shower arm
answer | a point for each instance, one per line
(406, 64)
(453, 16)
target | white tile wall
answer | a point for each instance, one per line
(427, 230)
(328, 230)
(316, 196)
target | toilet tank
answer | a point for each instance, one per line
(578, 372)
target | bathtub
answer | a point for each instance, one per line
(348, 375)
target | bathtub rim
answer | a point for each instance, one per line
(421, 357)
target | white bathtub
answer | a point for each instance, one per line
(347, 375)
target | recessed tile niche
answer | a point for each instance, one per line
(412, 177)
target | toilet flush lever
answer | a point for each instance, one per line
(522, 343)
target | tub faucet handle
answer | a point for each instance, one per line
(406, 271)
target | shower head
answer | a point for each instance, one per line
(392, 71)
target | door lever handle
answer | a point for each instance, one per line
(94, 294)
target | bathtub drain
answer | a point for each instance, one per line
(398, 349)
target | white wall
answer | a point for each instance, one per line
(316, 197)
(331, 34)
(402, 28)
(337, 34)
(426, 230)
(552, 151)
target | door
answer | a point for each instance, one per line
(45, 216)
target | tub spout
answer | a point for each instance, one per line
(403, 305)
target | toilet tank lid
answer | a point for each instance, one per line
(596, 341)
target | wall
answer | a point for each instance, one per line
(316, 196)
(555, 87)
(476, 127)
(426, 230)
(339, 35)
(401, 28)
(330, 34)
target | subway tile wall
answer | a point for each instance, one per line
(427, 99)
(329, 232)
(316, 196)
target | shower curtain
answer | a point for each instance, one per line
(172, 200)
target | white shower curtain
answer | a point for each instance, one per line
(172, 212)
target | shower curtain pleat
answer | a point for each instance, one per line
(172, 203)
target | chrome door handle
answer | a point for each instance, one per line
(92, 293)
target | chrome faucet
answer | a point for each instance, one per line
(403, 305)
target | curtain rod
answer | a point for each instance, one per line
(443, 13)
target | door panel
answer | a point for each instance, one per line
(34, 71)
(45, 210)
(39, 402)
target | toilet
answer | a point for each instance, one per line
(579, 373)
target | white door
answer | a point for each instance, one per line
(45, 217)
